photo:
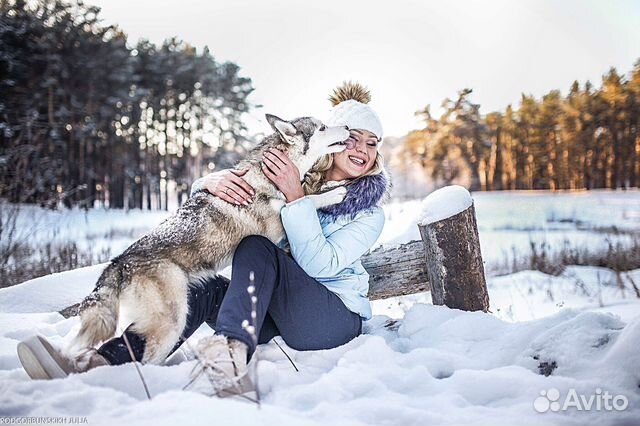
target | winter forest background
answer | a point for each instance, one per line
(92, 120)
(89, 120)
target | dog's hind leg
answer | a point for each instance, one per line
(99, 310)
(162, 310)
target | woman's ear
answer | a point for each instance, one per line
(285, 129)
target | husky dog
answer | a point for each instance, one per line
(150, 279)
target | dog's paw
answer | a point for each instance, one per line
(336, 195)
(328, 198)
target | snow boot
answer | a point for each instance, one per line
(42, 361)
(225, 361)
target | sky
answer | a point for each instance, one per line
(408, 53)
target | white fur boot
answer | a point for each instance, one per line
(42, 361)
(225, 361)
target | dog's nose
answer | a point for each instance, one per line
(346, 127)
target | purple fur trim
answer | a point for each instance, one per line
(363, 194)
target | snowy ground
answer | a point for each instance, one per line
(433, 365)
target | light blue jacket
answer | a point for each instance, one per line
(329, 249)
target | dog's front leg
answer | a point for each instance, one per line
(328, 198)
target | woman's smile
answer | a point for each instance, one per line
(358, 161)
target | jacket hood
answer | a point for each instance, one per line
(363, 193)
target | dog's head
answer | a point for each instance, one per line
(308, 137)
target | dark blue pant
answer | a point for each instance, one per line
(290, 303)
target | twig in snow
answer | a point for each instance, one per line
(285, 354)
(251, 329)
(135, 363)
(635, 287)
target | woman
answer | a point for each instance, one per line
(316, 297)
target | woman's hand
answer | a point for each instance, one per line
(277, 166)
(230, 186)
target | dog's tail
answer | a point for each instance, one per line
(99, 310)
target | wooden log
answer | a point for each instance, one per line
(396, 271)
(392, 272)
(454, 262)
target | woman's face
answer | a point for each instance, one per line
(358, 158)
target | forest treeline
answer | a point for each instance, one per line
(585, 140)
(86, 118)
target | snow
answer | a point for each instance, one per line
(510, 221)
(415, 364)
(54, 292)
(439, 366)
(445, 202)
(93, 231)
(530, 295)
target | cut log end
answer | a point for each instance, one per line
(454, 263)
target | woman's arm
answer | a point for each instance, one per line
(322, 256)
(316, 254)
(226, 184)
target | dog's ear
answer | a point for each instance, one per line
(286, 130)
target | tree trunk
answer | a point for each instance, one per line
(454, 262)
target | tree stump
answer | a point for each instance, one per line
(452, 252)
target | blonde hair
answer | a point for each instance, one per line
(315, 177)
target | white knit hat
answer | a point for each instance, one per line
(350, 108)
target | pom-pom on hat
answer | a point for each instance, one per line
(350, 108)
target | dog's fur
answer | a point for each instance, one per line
(150, 279)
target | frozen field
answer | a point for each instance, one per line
(507, 222)
(433, 365)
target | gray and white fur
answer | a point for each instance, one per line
(150, 279)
